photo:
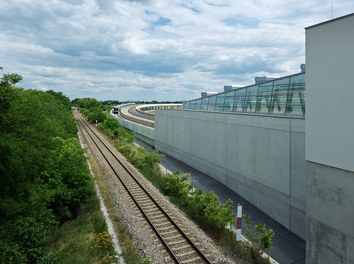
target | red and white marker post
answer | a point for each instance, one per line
(239, 223)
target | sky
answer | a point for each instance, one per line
(162, 50)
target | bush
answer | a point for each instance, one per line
(176, 186)
(209, 212)
(204, 208)
(103, 242)
(259, 235)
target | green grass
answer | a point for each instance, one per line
(76, 241)
(130, 254)
(153, 175)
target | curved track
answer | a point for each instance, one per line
(135, 111)
(177, 243)
(131, 114)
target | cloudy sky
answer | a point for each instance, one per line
(155, 49)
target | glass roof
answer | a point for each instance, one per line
(283, 96)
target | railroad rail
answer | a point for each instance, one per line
(176, 242)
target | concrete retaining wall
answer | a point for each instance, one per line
(330, 141)
(261, 158)
(144, 133)
(330, 214)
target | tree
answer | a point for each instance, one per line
(67, 177)
(260, 236)
(209, 212)
(10, 78)
(87, 103)
(61, 97)
(43, 175)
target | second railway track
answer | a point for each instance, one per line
(177, 244)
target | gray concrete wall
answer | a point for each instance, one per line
(330, 93)
(330, 141)
(261, 158)
(144, 133)
(330, 215)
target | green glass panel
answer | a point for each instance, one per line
(279, 96)
(229, 101)
(264, 98)
(251, 99)
(239, 100)
(296, 96)
(220, 100)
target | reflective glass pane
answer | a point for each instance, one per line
(205, 102)
(296, 97)
(285, 96)
(251, 99)
(204, 107)
(212, 99)
(212, 103)
(239, 100)
(279, 96)
(197, 105)
(264, 98)
(192, 105)
(211, 107)
(229, 101)
(220, 100)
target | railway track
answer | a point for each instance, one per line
(135, 111)
(178, 246)
(136, 117)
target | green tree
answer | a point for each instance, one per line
(67, 177)
(177, 186)
(61, 97)
(9, 78)
(209, 212)
(259, 235)
(87, 103)
(96, 115)
(44, 179)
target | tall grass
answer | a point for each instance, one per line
(76, 240)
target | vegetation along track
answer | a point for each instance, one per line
(177, 244)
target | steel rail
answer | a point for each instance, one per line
(169, 250)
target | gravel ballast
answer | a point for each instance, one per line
(144, 239)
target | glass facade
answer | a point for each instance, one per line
(284, 96)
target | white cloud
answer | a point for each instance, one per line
(154, 49)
